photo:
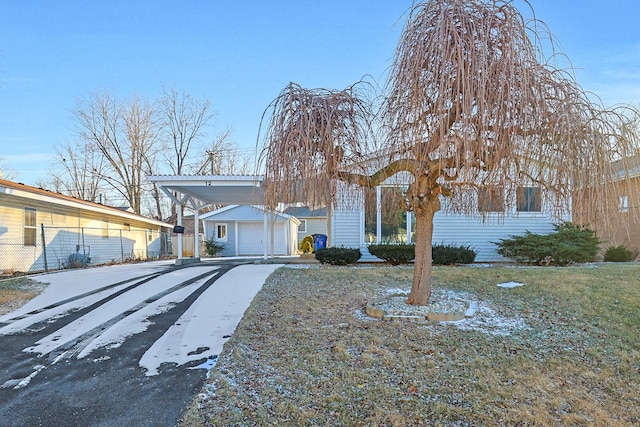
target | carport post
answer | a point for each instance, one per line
(196, 238)
(265, 234)
(179, 234)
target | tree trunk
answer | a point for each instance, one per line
(421, 287)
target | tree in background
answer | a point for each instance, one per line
(126, 135)
(471, 107)
(78, 177)
(5, 171)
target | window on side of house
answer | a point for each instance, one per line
(623, 204)
(221, 232)
(105, 229)
(29, 228)
(302, 228)
(529, 199)
(490, 199)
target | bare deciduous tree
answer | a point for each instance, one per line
(471, 104)
(126, 135)
(183, 120)
(78, 177)
(5, 171)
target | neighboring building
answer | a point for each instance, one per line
(622, 226)
(243, 228)
(311, 221)
(42, 230)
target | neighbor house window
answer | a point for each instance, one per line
(221, 232)
(302, 228)
(623, 204)
(29, 231)
(490, 199)
(529, 199)
(105, 229)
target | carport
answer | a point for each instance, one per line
(202, 191)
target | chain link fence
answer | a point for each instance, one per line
(57, 248)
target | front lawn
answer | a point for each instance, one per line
(562, 350)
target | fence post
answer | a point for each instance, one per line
(84, 250)
(121, 248)
(44, 248)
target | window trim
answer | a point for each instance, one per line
(303, 224)
(31, 228)
(532, 204)
(623, 204)
(216, 231)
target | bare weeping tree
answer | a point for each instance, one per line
(471, 105)
(125, 134)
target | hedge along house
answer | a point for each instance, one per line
(42, 230)
(239, 228)
(374, 215)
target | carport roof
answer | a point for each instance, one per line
(215, 189)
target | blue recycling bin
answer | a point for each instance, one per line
(319, 241)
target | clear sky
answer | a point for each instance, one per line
(239, 55)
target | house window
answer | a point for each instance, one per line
(221, 232)
(29, 230)
(302, 228)
(384, 219)
(105, 229)
(529, 199)
(623, 204)
(490, 199)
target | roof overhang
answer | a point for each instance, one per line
(215, 189)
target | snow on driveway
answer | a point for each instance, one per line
(126, 297)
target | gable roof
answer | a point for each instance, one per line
(18, 189)
(306, 212)
(226, 213)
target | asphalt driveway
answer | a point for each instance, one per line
(125, 345)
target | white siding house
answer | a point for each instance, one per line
(367, 223)
(240, 228)
(43, 230)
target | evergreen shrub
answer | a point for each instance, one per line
(338, 256)
(619, 254)
(569, 244)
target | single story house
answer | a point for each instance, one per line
(42, 230)
(244, 230)
(375, 217)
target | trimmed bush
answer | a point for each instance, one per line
(619, 254)
(212, 247)
(306, 246)
(570, 243)
(338, 256)
(394, 254)
(449, 254)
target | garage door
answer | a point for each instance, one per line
(250, 239)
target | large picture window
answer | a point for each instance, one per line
(29, 231)
(529, 199)
(384, 219)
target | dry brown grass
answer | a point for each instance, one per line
(305, 355)
(14, 293)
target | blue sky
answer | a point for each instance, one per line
(239, 55)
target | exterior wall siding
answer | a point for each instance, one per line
(101, 236)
